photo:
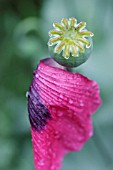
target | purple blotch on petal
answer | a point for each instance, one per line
(38, 113)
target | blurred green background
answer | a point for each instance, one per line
(24, 26)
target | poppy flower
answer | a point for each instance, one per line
(60, 105)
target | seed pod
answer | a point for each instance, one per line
(70, 44)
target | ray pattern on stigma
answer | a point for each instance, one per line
(69, 37)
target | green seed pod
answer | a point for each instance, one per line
(70, 44)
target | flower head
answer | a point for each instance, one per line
(70, 40)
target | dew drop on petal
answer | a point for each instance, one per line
(37, 75)
(60, 100)
(41, 162)
(50, 150)
(61, 96)
(27, 94)
(39, 67)
(70, 101)
(90, 133)
(53, 167)
(81, 103)
(54, 75)
(57, 134)
(59, 113)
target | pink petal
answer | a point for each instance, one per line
(60, 108)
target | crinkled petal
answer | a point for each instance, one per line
(60, 107)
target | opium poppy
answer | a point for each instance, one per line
(60, 105)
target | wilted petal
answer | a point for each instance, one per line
(62, 103)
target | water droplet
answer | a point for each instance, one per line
(54, 75)
(59, 113)
(49, 44)
(61, 96)
(77, 82)
(39, 67)
(70, 101)
(54, 155)
(60, 100)
(50, 150)
(90, 133)
(41, 162)
(81, 103)
(91, 34)
(88, 46)
(35, 158)
(57, 134)
(48, 143)
(80, 138)
(27, 94)
(37, 75)
(53, 167)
